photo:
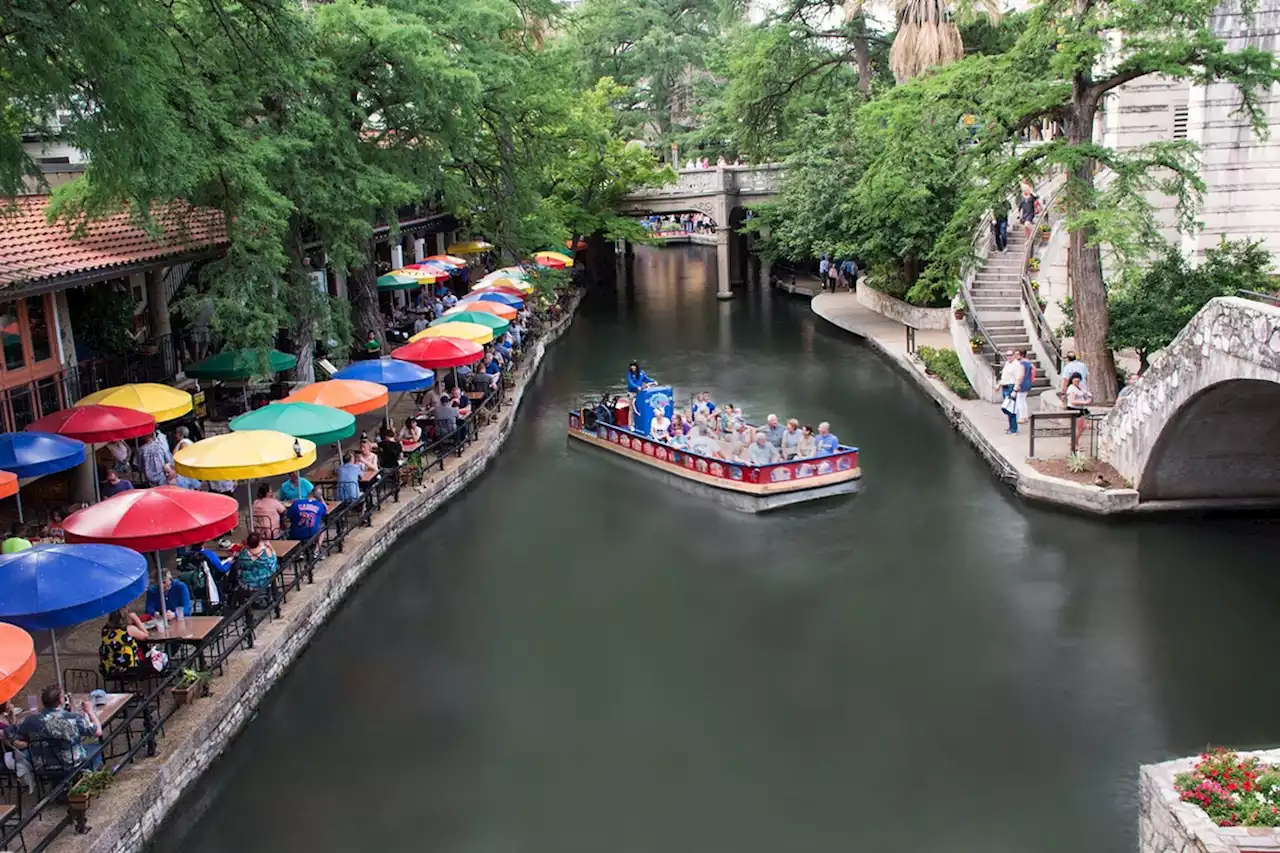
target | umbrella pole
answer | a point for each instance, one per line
(18, 495)
(164, 605)
(57, 663)
(97, 489)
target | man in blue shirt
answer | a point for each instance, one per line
(64, 731)
(294, 488)
(306, 517)
(826, 442)
(115, 484)
(176, 594)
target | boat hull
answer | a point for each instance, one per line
(745, 488)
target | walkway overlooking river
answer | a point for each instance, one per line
(574, 658)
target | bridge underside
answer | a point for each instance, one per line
(1223, 443)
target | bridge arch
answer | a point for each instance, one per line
(1203, 424)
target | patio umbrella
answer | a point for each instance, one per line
(439, 353)
(96, 425)
(507, 272)
(34, 454)
(390, 373)
(463, 331)
(480, 318)
(554, 260)
(425, 272)
(497, 309)
(446, 259)
(351, 395)
(317, 424)
(162, 402)
(245, 455)
(470, 247)
(519, 285)
(504, 298)
(8, 484)
(55, 586)
(241, 364)
(17, 660)
(499, 288)
(151, 520)
(401, 280)
(575, 246)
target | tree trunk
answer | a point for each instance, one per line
(362, 285)
(1092, 321)
(862, 52)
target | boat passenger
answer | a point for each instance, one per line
(703, 405)
(660, 426)
(827, 442)
(790, 439)
(679, 440)
(772, 431)
(679, 426)
(762, 451)
(636, 378)
(808, 445)
(702, 443)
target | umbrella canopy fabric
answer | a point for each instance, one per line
(439, 353)
(53, 586)
(96, 424)
(8, 484)
(241, 364)
(519, 285)
(551, 254)
(160, 401)
(351, 395)
(507, 272)
(245, 455)
(317, 424)
(578, 246)
(470, 247)
(500, 288)
(32, 454)
(480, 318)
(438, 266)
(463, 331)
(390, 373)
(497, 309)
(424, 272)
(446, 259)
(400, 281)
(503, 298)
(17, 660)
(146, 520)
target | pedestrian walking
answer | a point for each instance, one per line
(824, 266)
(1000, 229)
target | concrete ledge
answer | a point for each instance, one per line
(1026, 481)
(904, 312)
(132, 811)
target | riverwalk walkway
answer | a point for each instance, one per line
(144, 792)
(979, 421)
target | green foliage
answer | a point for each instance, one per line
(945, 364)
(191, 677)
(93, 782)
(1078, 463)
(103, 319)
(1147, 314)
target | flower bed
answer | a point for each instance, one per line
(1231, 790)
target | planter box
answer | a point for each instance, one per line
(1168, 825)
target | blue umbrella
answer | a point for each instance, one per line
(53, 586)
(32, 454)
(392, 373)
(486, 296)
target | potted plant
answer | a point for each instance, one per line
(1035, 286)
(975, 343)
(90, 784)
(1042, 302)
(190, 684)
(960, 308)
(1045, 231)
(1033, 264)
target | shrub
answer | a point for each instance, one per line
(1078, 463)
(945, 364)
(1232, 791)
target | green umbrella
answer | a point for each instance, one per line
(241, 364)
(392, 281)
(319, 424)
(490, 321)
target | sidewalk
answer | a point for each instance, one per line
(979, 421)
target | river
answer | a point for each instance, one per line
(574, 658)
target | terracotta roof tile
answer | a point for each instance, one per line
(33, 250)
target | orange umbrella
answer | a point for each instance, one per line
(497, 309)
(8, 484)
(17, 660)
(354, 396)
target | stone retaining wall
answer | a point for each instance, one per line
(905, 313)
(136, 806)
(1168, 825)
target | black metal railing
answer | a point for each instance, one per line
(142, 724)
(1268, 298)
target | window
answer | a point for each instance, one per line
(38, 324)
(1180, 122)
(11, 334)
(26, 332)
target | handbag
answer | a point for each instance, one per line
(1010, 404)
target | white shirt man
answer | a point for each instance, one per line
(1009, 374)
(1075, 365)
(762, 451)
(660, 427)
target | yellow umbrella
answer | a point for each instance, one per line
(245, 455)
(422, 274)
(518, 283)
(160, 401)
(470, 247)
(559, 256)
(473, 332)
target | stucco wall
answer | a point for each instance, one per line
(977, 370)
(896, 309)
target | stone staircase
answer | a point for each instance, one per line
(996, 293)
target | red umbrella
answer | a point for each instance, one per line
(440, 352)
(97, 424)
(154, 519)
(498, 288)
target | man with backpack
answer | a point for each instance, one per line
(206, 576)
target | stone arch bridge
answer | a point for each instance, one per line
(1203, 424)
(720, 193)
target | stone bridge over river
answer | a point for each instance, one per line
(720, 193)
(1203, 425)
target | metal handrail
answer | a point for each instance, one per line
(1042, 329)
(991, 351)
(1268, 298)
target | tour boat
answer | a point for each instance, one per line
(609, 424)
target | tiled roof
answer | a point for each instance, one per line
(33, 250)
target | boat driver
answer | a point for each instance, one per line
(636, 378)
